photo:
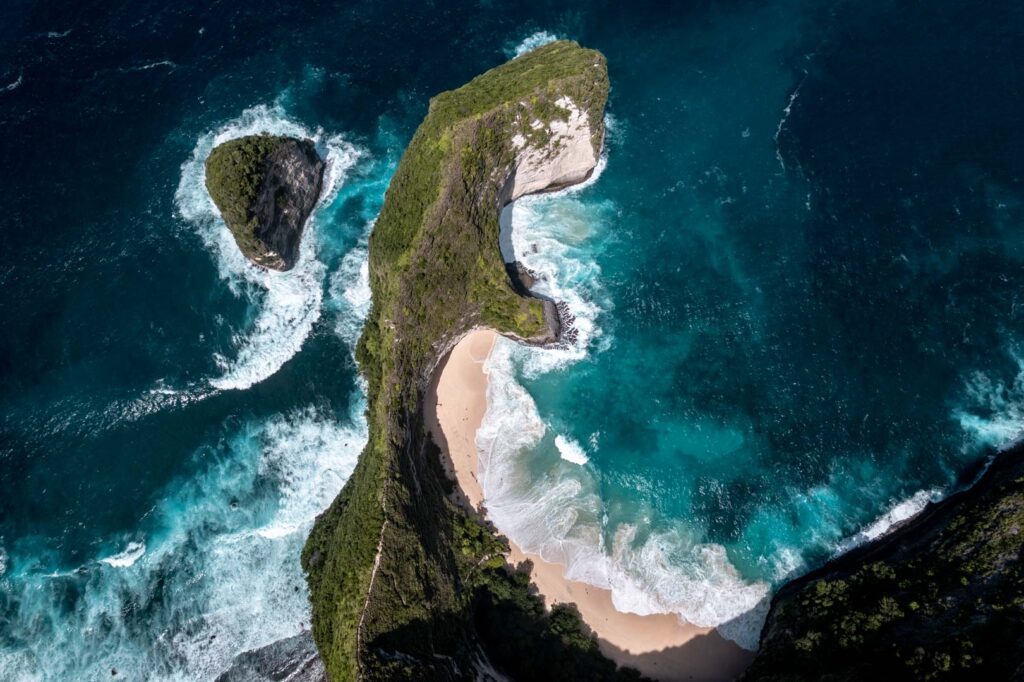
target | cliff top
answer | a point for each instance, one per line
(397, 572)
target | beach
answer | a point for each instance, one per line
(659, 646)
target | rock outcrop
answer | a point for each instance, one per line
(938, 598)
(555, 153)
(265, 188)
(287, 660)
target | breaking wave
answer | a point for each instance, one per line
(530, 43)
(899, 512)
(560, 514)
(216, 574)
(128, 557)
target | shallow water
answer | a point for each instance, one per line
(795, 285)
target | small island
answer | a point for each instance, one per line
(265, 187)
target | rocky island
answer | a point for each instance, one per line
(265, 187)
(404, 583)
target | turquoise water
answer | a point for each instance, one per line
(796, 297)
(795, 283)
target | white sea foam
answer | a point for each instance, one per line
(13, 85)
(559, 513)
(150, 65)
(993, 413)
(530, 43)
(559, 516)
(132, 553)
(786, 112)
(550, 235)
(350, 291)
(571, 451)
(288, 303)
(899, 511)
(219, 572)
(221, 563)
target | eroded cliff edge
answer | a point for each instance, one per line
(265, 187)
(939, 598)
(405, 585)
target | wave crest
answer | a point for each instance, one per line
(132, 553)
(530, 43)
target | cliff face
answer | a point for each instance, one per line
(941, 597)
(265, 188)
(402, 582)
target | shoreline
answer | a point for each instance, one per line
(659, 646)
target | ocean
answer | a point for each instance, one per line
(794, 284)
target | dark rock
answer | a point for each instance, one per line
(294, 659)
(265, 188)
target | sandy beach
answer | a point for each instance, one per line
(660, 646)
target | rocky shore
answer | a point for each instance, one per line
(939, 597)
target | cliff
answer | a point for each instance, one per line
(265, 188)
(405, 585)
(941, 597)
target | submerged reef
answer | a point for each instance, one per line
(405, 584)
(940, 597)
(265, 187)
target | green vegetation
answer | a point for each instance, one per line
(942, 598)
(441, 592)
(234, 174)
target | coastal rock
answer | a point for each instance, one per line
(293, 659)
(939, 597)
(555, 153)
(265, 187)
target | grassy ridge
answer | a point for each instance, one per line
(436, 272)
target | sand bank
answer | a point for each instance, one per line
(660, 646)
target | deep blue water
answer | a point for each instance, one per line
(796, 281)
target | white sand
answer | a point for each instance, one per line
(660, 646)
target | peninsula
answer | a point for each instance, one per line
(404, 583)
